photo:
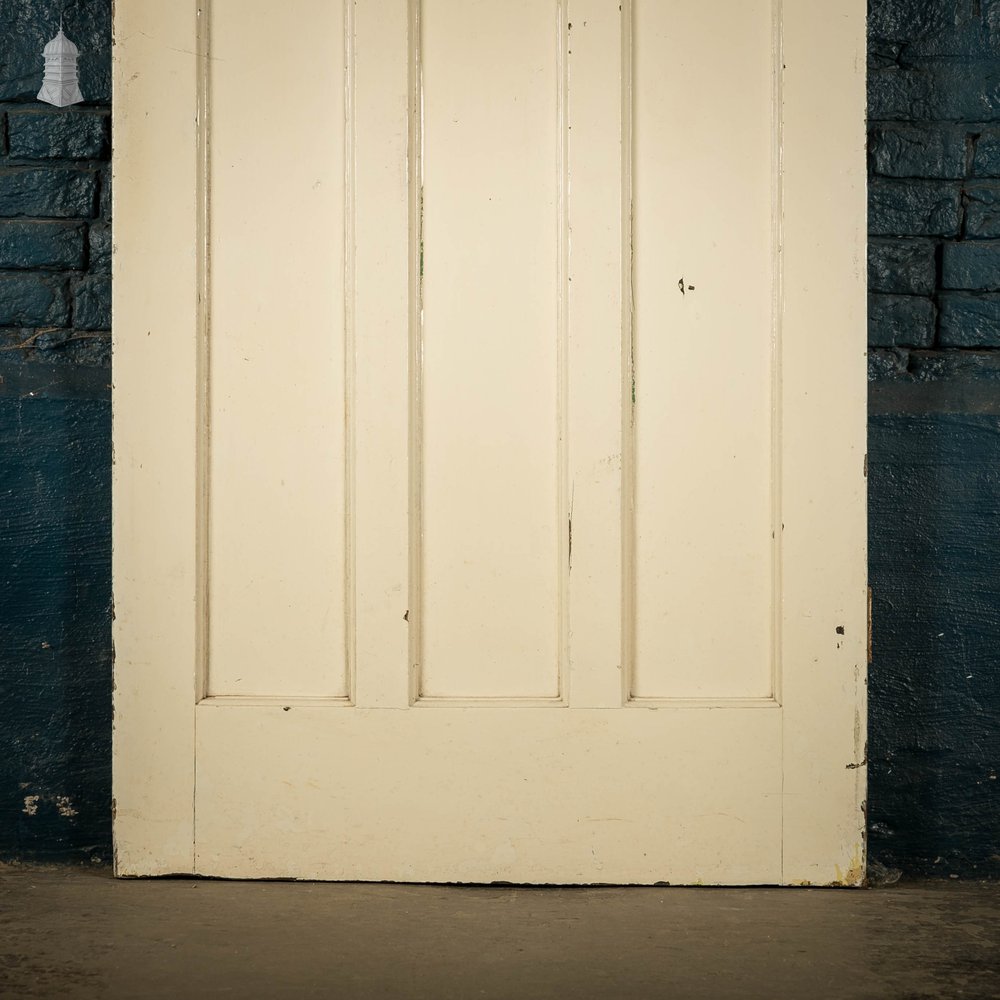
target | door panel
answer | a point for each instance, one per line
(490, 459)
(275, 345)
(705, 209)
(480, 511)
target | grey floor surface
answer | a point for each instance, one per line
(79, 933)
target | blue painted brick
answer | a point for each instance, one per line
(982, 213)
(904, 267)
(105, 198)
(968, 320)
(100, 249)
(33, 300)
(986, 162)
(955, 91)
(971, 266)
(886, 362)
(935, 27)
(92, 303)
(900, 321)
(912, 151)
(63, 134)
(47, 192)
(913, 208)
(27, 243)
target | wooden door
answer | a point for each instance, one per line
(489, 435)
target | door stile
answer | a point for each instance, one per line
(823, 443)
(158, 441)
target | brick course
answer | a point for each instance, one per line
(55, 204)
(934, 173)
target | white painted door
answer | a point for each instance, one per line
(489, 440)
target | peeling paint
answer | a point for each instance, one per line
(63, 803)
(855, 873)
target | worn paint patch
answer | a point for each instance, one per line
(63, 805)
(854, 874)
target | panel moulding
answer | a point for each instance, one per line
(204, 13)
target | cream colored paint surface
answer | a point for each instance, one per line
(276, 352)
(457, 537)
(704, 194)
(490, 464)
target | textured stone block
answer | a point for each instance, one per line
(47, 192)
(969, 28)
(912, 151)
(31, 243)
(92, 303)
(886, 362)
(986, 161)
(913, 208)
(33, 300)
(969, 320)
(900, 321)
(971, 266)
(982, 213)
(69, 135)
(904, 267)
(956, 91)
(104, 207)
(100, 249)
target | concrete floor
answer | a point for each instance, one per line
(78, 933)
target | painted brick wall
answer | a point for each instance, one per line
(934, 434)
(934, 448)
(55, 448)
(934, 149)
